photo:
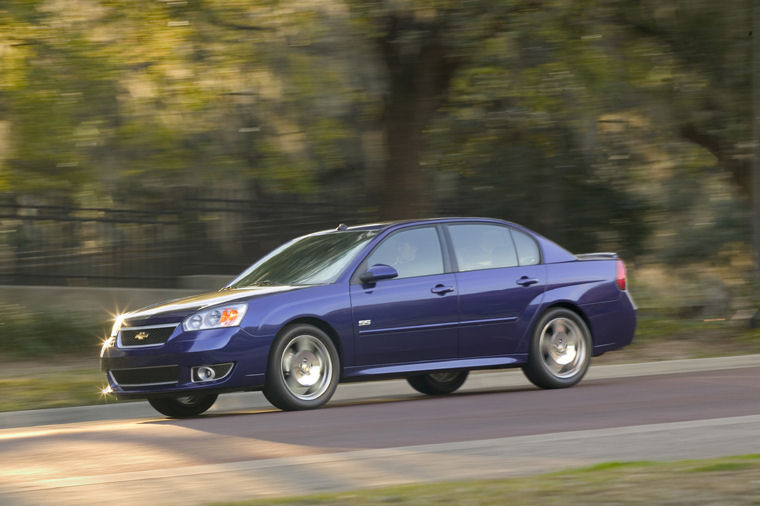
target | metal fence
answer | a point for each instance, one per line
(42, 244)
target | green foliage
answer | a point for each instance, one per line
(51, 387)
(604, 466)
(31, 334)
(724, 466)
(605, 125)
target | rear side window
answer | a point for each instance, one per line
(482, 246)
(527, 249)
(413, 252)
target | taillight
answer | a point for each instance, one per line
(620, 276)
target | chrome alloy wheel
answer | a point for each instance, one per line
(563, 347)
(306, 367)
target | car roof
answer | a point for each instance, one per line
(401, 223)
(552, 252)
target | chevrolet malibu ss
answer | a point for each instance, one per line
(425, 300)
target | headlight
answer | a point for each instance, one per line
(214, 318)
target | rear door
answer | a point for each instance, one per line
(413, 317)
(498, 275)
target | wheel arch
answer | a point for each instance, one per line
(570, 307)
(324, 327)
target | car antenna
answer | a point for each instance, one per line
(342, 226)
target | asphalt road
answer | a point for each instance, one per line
(383, 433)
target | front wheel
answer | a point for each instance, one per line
(183, 407)
(560, 351)
(438, 383)
(303, 369)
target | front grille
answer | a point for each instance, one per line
(146, 336)
(146, 376)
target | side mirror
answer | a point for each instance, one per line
(378, 272)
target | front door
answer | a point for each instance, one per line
(411, 318)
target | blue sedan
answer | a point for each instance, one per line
(425, 300)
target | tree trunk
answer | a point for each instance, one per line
(419, 74)
(405, 191)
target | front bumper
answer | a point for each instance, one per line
(167, 369)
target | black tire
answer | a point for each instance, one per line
(312, 383)
(185, 406)
(560, 350)
(438, 383)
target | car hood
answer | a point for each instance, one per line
(175, 310)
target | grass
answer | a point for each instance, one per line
(33, 385)
(49, 360)
(670, 338)
(29, 334)
(650, 327)
(727, 480)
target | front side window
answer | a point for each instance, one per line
(413, 252)
(482, 246)
(308, 260)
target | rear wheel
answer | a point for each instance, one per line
(185, 406)
(438, 383)
(303, 370)
(560, 351)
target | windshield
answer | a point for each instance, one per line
(308, 260)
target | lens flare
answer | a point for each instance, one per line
(106, 343)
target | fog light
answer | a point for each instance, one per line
(213, 372)
(205, 373)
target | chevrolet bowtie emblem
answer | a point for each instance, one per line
(141, 335)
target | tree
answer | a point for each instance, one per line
(420, 46)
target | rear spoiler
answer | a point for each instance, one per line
(597, 256)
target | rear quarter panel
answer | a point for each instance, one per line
(590, 288)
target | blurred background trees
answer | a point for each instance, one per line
(206, 131)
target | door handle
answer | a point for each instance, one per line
(526, 281)
(442, 289)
